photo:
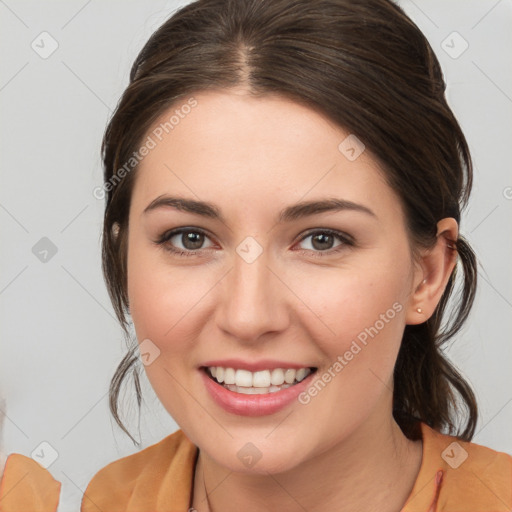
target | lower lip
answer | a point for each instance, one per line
(253, 405)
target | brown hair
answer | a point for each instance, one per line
(368, 67)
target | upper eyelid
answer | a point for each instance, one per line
(334, 232)
(177, 231)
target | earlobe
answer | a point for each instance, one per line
(434, 271)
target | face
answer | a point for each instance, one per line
(259, 284)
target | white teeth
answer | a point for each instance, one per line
(229, 376)
(289, 376)
(277, 377)
(301, 374)
(263, 381)
(255, 391)
(243, 378)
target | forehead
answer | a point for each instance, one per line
(232, 147)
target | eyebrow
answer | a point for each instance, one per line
(290, 213)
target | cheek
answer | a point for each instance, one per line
(162, 305)
(359, 323)
(160, 297)
(347, 302)
(359, 327)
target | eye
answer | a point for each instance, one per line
(184, 241)
(324, 241)
(190, 241)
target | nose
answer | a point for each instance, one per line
(254, 302)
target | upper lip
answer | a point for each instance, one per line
(255, 366)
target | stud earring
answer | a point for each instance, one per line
(419, 310)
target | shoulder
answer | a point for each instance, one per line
(461, 475)
(476, 475)
(136, 482)
(26, 485)
(460, 459)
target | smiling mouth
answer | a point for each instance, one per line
(257, 383)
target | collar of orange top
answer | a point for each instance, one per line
(426, 489)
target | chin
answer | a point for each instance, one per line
(257, 454)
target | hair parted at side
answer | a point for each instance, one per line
(369, 68)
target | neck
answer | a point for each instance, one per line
(373, 470)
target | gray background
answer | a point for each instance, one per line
(60, 342)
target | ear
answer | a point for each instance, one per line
(433, 272)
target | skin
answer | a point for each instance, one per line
(252, 157)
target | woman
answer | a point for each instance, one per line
(284, 183)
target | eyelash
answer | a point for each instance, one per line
(345, 239)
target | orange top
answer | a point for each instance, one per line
(454, 476)
(27, 487)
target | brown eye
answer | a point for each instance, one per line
(184, 240)
(322, 241)
(327, 240)
(192, 240)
